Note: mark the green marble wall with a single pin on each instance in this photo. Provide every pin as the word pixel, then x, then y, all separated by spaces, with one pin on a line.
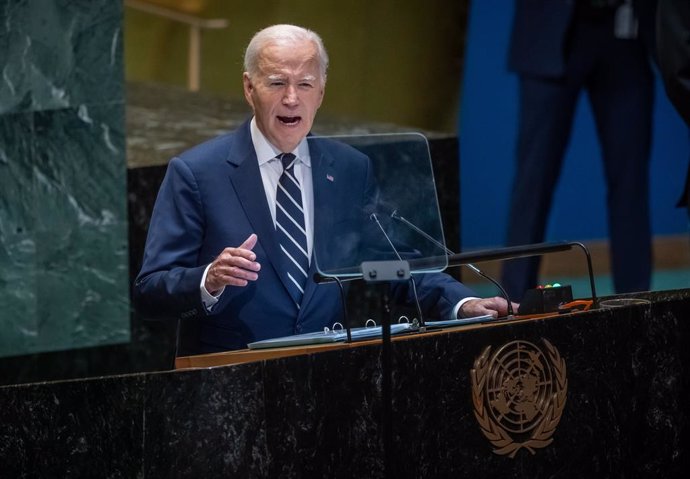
pixel 63 231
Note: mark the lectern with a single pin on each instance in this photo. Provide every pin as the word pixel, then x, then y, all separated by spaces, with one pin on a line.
pixel 601 393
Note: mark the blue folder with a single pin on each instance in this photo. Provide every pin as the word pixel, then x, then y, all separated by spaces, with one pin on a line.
pixel 369 332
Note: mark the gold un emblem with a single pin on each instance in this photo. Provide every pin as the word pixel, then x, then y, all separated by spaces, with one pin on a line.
pixel 519 394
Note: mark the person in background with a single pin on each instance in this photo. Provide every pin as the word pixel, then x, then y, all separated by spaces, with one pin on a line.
pixel 673 53
pixel 237 218
pixel 560 49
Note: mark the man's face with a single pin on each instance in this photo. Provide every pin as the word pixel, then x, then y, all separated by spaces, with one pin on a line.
pixel 285 93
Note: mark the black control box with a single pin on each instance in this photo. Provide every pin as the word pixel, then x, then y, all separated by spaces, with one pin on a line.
pixel 545 300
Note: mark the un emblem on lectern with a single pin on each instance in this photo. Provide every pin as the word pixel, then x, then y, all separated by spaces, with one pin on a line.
pixel 519 394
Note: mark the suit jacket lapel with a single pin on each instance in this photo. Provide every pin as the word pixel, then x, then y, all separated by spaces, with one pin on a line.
pixel 323 178
pixel 246 180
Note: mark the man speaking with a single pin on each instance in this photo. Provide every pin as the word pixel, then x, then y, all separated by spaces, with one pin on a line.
pixel 237 217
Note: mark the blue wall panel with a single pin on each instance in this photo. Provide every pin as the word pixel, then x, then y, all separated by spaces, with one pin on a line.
pixel 487 132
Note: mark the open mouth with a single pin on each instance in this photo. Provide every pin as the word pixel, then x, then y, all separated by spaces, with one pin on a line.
pixel 289 120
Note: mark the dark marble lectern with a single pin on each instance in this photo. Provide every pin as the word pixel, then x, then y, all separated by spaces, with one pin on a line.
pixel 602 393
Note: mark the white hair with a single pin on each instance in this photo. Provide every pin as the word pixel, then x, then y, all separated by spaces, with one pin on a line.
pixel 281 35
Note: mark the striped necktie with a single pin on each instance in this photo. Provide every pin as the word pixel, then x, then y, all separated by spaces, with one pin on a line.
pixel 290 228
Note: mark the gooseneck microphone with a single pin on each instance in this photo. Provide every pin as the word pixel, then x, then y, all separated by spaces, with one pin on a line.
pixel 375 218
pixel 476 270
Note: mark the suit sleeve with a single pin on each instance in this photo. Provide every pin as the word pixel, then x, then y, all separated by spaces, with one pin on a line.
pixel 673 51
pixel 169 281
pixel 438 294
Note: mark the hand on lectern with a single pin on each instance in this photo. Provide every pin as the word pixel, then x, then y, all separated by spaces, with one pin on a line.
pixel 496 307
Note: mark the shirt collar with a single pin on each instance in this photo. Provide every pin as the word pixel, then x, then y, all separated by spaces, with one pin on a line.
pixel 266 152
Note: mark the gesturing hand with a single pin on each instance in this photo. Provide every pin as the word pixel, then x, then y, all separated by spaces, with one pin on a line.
pixel 233 267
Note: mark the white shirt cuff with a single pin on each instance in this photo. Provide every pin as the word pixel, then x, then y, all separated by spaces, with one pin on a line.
pixel 209 300
pixel 456 309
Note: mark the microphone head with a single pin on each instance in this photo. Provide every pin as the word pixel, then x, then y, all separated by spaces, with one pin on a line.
pixel 382 209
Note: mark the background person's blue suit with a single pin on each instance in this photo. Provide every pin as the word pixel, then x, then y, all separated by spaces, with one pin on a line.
pixel 213 197
pixel 559 48
pixel 673 51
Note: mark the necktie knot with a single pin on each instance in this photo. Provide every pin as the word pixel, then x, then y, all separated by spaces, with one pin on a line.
pixel 287 159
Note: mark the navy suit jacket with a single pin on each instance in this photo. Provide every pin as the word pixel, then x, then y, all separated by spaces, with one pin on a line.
pixel 673 32
pixel 537 43
pixel 212 197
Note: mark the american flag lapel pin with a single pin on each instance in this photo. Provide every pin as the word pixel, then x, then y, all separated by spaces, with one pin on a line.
pixel 329 177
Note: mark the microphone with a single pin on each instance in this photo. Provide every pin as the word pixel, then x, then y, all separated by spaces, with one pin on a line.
pixel 374 217
pixel 523 251
pixel 394 214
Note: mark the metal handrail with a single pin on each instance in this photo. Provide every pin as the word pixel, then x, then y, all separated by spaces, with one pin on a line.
pixel 195 25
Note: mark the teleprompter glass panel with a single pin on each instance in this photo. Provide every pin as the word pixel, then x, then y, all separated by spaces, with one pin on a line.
pixel 375 200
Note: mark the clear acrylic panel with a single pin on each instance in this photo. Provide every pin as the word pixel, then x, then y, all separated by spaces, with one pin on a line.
pixel 375 200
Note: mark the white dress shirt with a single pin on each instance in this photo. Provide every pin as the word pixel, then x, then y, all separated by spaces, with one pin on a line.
pixel 271 169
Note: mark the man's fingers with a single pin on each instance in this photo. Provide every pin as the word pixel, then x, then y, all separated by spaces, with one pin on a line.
pixel 243 251
pixel 233 272
pixel 234 266
pixel 234 261
pixel 220 275
pixel 250 242
pixel 495 306
pixel 235 256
